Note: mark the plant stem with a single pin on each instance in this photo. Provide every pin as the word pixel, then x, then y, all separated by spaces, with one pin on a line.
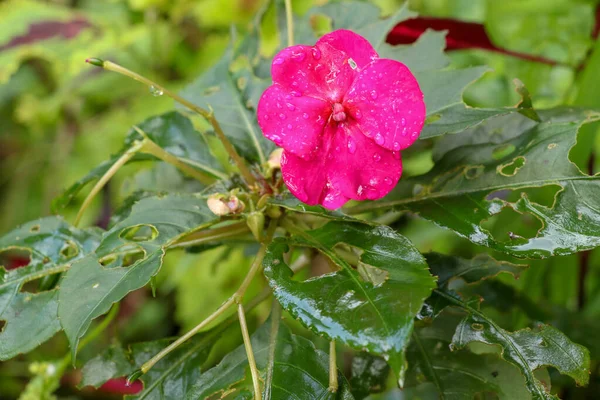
pixel 106 177
pixel 152 148
pixel 275 321
pixel 249 352
pixel 235 298
pixel 208 115
pixel 333 380
pixel 290 22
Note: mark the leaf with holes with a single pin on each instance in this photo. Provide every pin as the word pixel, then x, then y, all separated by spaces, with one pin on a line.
pixel 477 171
pixel 89 288
pixel 51 245
pixel 371 308
pixel 290 368
pixel 461 374
pixel 171 131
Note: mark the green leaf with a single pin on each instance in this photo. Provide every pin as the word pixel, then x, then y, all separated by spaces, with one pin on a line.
pixel 369 375
pixel 31 318
pixel 169 379
pixel 465 187
pixel 371 310
pixel 171 131
pixel 531 27
pixel 527 349
pixel 461 374
pixel 290 367
pixel 480 267
pixel 291 203
pixel 426 54
pixel 89 288
pixel 233 95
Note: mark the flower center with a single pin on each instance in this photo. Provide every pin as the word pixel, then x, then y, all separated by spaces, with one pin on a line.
pixel 338 113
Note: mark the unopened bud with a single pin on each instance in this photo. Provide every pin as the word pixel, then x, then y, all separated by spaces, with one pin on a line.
pixel 274 212
pixel 274 161
pixel 256 223
pixel 95 61
pixel 223 205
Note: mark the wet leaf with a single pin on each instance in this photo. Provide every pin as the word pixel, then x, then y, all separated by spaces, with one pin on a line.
pixel 52 246
pixel 461 374
pixel 290 367
pixel 171 131
pixel 469 184
pixel 369 375
pixel 342 305
pixel 89 289
pixel 291 203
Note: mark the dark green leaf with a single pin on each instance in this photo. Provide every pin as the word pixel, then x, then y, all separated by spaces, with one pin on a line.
pixel 461 374
pixel 369 375
pixel 169 379
pixel 527 349
pixel 291 203
pixel 465 187
pixel 233 95
pixel 52 246
pixel 482 266
pixel 371 310
pixel 171 131
pixel 290 367
pixel 89 289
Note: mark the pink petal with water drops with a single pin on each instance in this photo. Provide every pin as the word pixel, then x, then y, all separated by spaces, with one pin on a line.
pixel 348 166
pixel 292 122
pixel 322 72
pixel 362 170
pixel 355 46
pixel 387 103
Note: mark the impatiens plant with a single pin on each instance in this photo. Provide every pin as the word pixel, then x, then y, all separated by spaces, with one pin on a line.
pixel 282 173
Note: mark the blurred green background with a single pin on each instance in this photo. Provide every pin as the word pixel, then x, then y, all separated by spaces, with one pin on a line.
pixel 60 117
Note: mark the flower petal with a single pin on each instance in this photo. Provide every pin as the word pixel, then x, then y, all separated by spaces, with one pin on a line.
pixel 355 46
pixel 348 166
pixel 387 103
pixel 294 123
pixel 322 72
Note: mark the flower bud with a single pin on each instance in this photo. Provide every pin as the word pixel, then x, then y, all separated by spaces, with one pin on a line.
pixel 256 222
pixel 274 161
pixel 221 205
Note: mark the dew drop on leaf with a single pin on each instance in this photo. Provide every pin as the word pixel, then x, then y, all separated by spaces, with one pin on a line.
pixel 156 92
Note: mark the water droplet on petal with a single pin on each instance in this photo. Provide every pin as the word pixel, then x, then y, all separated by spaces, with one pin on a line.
pixel 373 94
pixel 282 116
pixel 278 61
pixel 388 181
pixel 305 116
pixel 351 145
pixel 289 126
pixel 396 154
pixel 296 93
pixel 403 121
pixel 358 114
pixel 299 57
pixel 379 139
pixel 276 139
pixel 279 105
pixel 316 53
pixel 380 75
pixel 291 107
pixel 396 146
pixel 372 193
pixel 377 157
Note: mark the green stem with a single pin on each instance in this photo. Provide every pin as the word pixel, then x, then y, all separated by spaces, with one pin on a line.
pixel 275 321
pixel 235 298
pixel 333 380
pixel 106 177
pixel 152 148
pixel 208 115
pixel 249 352
pixel 290 22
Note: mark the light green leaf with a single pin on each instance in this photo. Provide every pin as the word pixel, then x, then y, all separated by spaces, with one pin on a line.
pixel 31 318
pixel 371 310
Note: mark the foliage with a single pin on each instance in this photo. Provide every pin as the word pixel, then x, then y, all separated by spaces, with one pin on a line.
pixel 364 300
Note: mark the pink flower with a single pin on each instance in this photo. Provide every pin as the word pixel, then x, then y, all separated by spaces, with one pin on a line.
pixel 342 115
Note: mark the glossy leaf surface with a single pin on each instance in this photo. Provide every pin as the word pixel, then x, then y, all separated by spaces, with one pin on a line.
pixel 474 174
pixel 372 310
